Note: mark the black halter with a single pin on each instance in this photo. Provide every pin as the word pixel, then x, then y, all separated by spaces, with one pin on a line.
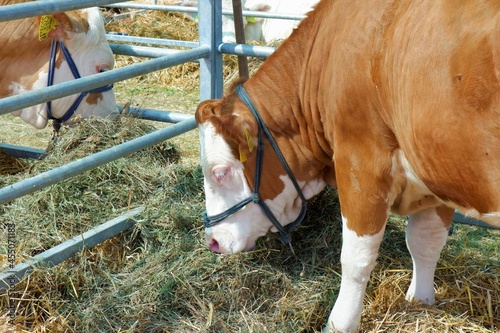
pixel 284 231
pixel 50 81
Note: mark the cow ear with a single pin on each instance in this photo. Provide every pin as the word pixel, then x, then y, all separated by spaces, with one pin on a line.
pixel 53 26
pixel 207 109
pixel 65 24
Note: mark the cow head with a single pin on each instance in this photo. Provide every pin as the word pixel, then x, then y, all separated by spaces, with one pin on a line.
pixel 229 152
pixel 84 36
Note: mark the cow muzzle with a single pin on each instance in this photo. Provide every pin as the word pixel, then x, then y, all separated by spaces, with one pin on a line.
pixel 221 241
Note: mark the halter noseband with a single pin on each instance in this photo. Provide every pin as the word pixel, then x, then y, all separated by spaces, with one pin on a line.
pixel 284 231
pixel 50 81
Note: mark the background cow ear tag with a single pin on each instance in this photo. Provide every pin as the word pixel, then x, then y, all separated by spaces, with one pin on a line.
pixel 47 24
pixel 249 139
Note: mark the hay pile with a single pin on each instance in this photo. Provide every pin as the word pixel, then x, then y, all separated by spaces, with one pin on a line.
pixel 159 276
pixel 57 213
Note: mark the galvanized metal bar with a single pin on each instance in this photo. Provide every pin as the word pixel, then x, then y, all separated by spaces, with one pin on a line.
pixel 459 218
pixel 67 249
pixel 145 40
pixel 35 8
pixel 248 50
pixel 210 34
pixel 42 95
pixel 283 16
pixel 270 15
pixel 74 168
pixel 142 51
pixel 122 16
pixel 165 8
pixel 20 151
pixel 156 115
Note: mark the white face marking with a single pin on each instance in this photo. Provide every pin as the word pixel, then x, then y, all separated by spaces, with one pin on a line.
pixel 90 52
pixel 359 255
pixel 226 185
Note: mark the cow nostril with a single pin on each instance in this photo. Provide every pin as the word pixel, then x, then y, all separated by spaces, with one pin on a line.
pixel 214 245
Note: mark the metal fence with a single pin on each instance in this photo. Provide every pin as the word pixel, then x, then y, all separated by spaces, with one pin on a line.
pixel 161 58
pixel 208 51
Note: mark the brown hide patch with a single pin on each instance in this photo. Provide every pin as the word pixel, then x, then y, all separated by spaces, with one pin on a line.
pixel 446 215
pixel 270 184
pixel 363 162
pixel 93 98
pixel 443 102
pixel 473 72
pixel 22 56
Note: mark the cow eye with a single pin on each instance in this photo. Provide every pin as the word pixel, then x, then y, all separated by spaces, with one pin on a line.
pixel 222 174
pixel 101 69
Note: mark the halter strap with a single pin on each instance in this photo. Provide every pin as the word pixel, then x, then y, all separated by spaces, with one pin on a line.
pixel 284 231
pixel 54 46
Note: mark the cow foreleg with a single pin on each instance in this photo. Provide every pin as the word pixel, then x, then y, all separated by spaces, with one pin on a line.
pixel 426 236
pixel 358 258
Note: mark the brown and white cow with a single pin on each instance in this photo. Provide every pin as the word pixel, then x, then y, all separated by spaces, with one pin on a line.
pixel 397 103
pixel 24 62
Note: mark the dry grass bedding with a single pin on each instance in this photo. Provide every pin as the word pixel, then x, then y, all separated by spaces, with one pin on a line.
pixel 160 277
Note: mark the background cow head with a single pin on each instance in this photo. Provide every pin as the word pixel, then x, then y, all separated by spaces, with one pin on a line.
pixel 84 36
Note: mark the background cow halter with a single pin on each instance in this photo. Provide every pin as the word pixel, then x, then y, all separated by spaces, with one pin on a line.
pixel 284 231
pixel 50 81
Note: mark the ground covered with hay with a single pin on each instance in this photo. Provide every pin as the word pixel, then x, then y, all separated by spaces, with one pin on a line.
pixel 160 277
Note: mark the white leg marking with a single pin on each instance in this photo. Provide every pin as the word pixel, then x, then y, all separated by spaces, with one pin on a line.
pixel 425 237
pixel 359 255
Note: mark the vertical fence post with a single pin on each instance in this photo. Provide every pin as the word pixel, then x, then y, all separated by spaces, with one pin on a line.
pixel 240 37
pixel 210 33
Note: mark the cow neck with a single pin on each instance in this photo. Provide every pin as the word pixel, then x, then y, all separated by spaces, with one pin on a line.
pixel 284 231
pixel 286 105
pixel 54 47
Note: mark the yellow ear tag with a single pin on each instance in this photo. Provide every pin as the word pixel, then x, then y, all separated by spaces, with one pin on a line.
pixel 249 138
pixel 243 156
pixel 251 19
pixel 47 24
